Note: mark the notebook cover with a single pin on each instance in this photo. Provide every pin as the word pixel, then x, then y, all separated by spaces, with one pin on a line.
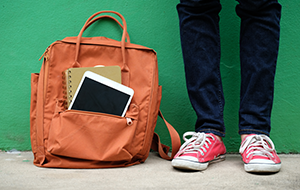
pixel 73 77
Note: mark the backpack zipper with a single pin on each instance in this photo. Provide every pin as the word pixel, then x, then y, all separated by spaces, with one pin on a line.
pixel 46 69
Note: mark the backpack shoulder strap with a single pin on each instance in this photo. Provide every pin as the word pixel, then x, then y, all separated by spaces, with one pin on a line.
pixel 163 149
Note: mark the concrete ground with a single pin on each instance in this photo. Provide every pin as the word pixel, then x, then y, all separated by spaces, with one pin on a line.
pixel 18 172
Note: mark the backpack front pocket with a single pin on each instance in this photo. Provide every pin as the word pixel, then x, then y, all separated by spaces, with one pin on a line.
pixel 91 136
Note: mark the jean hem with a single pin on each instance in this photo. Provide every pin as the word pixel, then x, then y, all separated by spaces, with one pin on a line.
pixel 213 131
pixel 253 131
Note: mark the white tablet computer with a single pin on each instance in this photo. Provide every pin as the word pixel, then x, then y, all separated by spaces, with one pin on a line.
pixel 96 93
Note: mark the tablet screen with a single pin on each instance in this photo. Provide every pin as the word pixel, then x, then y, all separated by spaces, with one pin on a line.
pixel 94 96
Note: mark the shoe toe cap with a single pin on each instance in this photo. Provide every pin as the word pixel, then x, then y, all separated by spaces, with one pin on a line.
pixel 261 161
pixel 187 158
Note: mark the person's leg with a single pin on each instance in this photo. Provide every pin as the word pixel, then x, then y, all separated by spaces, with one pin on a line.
pixel 200 40
pixel 259 42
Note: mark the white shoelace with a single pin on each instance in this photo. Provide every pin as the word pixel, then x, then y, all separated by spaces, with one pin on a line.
pixel 259 145
pixel 198 142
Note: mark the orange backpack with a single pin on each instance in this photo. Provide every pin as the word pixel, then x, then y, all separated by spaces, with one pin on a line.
pixel 64 138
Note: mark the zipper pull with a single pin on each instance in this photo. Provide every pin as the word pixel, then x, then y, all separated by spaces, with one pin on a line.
pixel 129 121
pixel 44 54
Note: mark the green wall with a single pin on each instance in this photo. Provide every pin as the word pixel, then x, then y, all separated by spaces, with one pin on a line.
pixel 28 27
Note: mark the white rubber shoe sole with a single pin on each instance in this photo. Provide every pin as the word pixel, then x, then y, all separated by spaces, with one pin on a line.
pixel 262 166
pixel 192 163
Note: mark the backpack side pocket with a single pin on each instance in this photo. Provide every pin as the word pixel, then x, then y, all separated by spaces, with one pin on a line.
pixel 33 100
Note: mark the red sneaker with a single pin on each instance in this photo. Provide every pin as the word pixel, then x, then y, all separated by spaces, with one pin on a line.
pixel 259 155
pixel 198 151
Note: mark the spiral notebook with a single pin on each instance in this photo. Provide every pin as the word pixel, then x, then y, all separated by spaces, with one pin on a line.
pixel 96 93
pixel 73 76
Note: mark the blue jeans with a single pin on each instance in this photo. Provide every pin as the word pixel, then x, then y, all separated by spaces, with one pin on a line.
pixel 259 41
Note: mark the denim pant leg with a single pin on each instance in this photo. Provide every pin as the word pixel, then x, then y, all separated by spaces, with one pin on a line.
pixel 200 41
pixel 259 41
